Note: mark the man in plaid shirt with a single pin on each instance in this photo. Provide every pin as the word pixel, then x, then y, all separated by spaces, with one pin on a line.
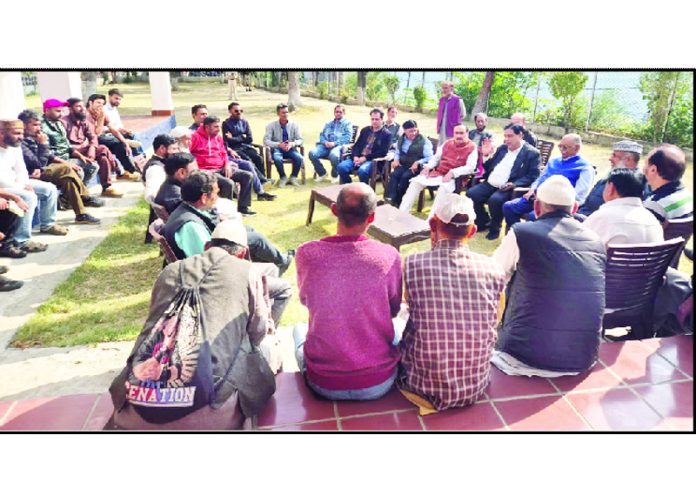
pixel 453 296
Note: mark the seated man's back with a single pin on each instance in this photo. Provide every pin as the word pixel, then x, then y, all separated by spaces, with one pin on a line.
pixel 453 296
pixel 351 286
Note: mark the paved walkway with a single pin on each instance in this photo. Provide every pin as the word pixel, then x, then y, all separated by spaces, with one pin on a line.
pixel 53 371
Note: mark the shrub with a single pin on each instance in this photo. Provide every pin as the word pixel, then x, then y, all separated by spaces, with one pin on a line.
pixel 420 95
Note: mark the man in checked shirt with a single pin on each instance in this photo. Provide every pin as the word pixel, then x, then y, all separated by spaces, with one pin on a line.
pixel 453 296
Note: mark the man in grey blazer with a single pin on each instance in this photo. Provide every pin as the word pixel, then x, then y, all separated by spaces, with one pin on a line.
pixel 282 137
pixel 514 164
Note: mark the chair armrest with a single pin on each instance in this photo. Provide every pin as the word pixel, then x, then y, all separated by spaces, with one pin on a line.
pixel 519 191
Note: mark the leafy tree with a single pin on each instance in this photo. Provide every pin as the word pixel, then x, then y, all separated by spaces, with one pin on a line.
pixel 662 90
pixel 391 82
pixel 566 86
pixel 468 86
pixel 420 95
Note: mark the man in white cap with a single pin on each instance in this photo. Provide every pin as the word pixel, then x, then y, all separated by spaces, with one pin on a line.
pixel 555 301
pixel 453 296
pixel 625 154
pixel 233 301
pixel 182 135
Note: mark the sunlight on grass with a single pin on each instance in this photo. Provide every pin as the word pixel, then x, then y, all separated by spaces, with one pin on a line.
pixel 107 297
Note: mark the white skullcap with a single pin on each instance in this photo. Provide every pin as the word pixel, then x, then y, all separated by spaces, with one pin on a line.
pixel 231 230
pixel 627 146
pixel 556 190
pixel 180 131
pixel 453 204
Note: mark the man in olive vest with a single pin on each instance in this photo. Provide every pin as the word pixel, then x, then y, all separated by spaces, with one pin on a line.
pixel 412 151
pixel 553 317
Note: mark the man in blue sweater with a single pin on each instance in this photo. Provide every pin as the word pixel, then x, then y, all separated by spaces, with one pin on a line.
pixel 333 137
pixel 570 164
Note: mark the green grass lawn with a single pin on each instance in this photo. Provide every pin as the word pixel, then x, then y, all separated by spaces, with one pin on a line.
pixel 106 298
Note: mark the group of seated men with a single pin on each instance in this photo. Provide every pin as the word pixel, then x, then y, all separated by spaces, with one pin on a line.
pixel 353 288
pixel 47 162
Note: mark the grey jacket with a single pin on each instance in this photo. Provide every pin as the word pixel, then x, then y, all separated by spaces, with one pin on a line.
pixel 274 134
pixel 234 322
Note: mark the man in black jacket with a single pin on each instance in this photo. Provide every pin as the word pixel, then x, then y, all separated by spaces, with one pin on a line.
pixel 43 164
pixel 238 137
pixel 374 142
pixel 515 164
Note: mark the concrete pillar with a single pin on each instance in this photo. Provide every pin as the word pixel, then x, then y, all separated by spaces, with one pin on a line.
pixel 161 94
pixel 59 84
pixel 11 94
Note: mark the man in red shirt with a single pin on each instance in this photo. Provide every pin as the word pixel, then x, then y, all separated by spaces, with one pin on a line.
pixel 208 147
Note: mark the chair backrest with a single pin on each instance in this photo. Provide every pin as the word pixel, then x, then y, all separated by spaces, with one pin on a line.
pixel 683 228
pixel 635 271
pixel 160 211
pixel 545 148
pixel 155 229
pixel 435 142
pixel 355 134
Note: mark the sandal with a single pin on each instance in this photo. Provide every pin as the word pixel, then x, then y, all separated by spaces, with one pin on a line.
pixel 55 230
pixel 33 247
pixel 12 252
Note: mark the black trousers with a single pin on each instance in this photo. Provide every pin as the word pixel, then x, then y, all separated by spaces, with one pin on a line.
pixel 119 151
pixel 398 183
pixel 485 193
pixel 248 152
pixel 245 180
pixel 8 224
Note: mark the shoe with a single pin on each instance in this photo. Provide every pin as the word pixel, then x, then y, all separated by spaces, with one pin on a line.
pixel 689 253
pixel 126 176
pixel 481 228
pixel 111 192
pixel 319 179
pixel 247 212
pixel 289 256
pixel 33 247
pixel 294 182
pixel 265 196
pixel 493 235
pixel 9 284
pixel 335 180
pixel 3 269
pixel 92 202
pixel 87 219
pixel 282 182
pixel 55 230
pixel 12 251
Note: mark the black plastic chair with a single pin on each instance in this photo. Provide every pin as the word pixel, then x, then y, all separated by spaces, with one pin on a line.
pixel 683 228
pixel 634 273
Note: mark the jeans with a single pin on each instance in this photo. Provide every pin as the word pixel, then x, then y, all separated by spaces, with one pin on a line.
pixel 292 154
pixel 299 333
pixel 321 152
pixel 486 193
pixel 514 209
pixel 48 195
pixel 346 167
pixel 247 166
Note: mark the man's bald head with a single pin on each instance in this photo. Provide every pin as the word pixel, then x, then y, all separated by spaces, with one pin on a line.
pixel 519 118
pixel 570 145
pixel 355 203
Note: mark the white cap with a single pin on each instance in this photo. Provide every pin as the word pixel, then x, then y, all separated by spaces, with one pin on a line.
pixel 452 205
pixel 627 146
pixel 556 190
pixel 180 131
pixel 231 230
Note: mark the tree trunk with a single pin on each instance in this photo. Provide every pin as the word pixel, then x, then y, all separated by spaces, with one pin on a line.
pixel 315 78
pixel 670 105
pixel 408 81
pixel 339 82
pixel 89 83
pixel 362 85
pixel 482 98
pixel 293 91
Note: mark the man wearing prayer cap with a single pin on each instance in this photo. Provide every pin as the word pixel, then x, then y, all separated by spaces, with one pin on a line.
pixel 553 317
pixel 447 343
pixel 624 153
pixel 14 178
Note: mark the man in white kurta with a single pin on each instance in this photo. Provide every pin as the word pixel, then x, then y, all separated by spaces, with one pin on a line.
pixel 456 157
